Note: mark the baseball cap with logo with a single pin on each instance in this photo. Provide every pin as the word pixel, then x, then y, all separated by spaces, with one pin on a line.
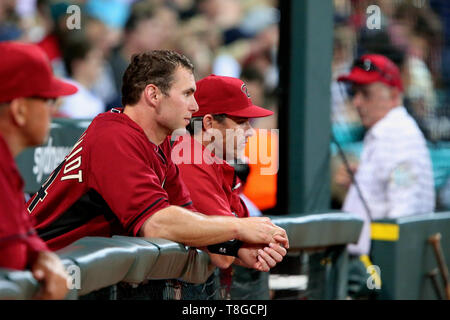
pixel 226 95
pixel 25 72
pixel 372 68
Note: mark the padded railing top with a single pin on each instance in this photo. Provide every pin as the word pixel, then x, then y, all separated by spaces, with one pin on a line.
pixel 320 230
pixel 103 262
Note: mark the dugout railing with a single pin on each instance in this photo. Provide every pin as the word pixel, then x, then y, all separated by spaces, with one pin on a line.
pixel 140 268
pixel 137 268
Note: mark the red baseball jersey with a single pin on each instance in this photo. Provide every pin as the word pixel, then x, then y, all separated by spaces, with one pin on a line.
pixel 212 184
pixel 111 182
pixel 19 243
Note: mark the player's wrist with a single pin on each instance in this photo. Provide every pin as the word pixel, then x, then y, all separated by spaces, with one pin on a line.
pixel 228 248
pixel 238 229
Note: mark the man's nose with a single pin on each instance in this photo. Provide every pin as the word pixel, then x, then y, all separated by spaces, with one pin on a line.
pixel 249 131
pixel 356 99
pixel 53 107
pixel 194 106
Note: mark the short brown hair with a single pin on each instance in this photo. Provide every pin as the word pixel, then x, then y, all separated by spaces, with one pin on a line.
pixel 154 67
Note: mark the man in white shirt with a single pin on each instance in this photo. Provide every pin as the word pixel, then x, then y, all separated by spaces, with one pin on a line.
pixel 394 176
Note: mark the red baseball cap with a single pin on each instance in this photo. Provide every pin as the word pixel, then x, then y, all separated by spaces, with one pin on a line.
pixel 25 72
pixel 372 68
pixel 226 95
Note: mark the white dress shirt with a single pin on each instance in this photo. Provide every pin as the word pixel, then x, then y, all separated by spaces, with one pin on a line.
pixel 394 175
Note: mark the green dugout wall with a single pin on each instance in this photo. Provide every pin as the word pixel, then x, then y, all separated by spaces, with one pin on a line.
pixel 36 164
pixel 306 36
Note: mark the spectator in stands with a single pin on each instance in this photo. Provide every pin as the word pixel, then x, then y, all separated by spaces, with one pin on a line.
pixel 84 64
pixel 9 22
pixel 394 177
pixel 421 32
pixel 346 124
pixel 43 32
pixel 120 179
pixel 442 9
pixel 139 35
pixel 166 19
pixel 48 31
pixel 198 39
pixel 411 37
pixel 211 33
pixel 104 38
pixel 342 114
pixel 27 90
pixel 254 80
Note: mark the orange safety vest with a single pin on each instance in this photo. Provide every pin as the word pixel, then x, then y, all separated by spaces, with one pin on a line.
pixel 262 153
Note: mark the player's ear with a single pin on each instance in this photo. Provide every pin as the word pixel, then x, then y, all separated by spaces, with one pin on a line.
pixel 207 122
pixel 151 94
pixel 19 111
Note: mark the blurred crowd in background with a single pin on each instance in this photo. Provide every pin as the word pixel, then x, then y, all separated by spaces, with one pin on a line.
pixel 240 38
pixel 237 38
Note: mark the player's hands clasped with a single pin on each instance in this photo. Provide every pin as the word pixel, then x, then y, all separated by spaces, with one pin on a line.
pixel 261 230
pixel 261 257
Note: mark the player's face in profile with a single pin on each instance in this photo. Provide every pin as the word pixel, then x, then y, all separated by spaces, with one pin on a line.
pixel 176 109
pixel 39 111
pixel 372 102
pixel 235 132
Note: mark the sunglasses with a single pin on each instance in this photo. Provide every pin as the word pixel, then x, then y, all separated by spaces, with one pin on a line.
pixel 352 89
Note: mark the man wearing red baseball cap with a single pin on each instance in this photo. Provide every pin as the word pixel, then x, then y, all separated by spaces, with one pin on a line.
pixel 227 101
pixel 27 90
pixel 394 177
pixel 218 131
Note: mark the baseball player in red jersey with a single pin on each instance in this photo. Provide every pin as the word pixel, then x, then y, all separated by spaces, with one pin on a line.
pixel 26 93
pixel 218 133
pixel 223 128
pixel 119 177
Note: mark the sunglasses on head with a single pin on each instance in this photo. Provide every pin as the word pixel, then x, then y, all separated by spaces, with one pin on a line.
pixel 368 66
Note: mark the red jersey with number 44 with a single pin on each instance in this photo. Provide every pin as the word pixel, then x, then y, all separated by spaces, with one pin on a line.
pixel 111 182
